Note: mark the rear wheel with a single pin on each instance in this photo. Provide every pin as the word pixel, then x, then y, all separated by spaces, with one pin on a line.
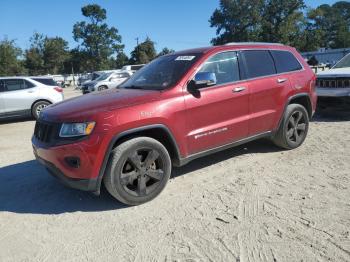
pixel 138 170
pixel 38 107
pixel 100 88
pixel 294 127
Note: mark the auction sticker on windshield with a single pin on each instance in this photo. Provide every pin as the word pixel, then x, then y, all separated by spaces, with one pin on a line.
pixel 185 58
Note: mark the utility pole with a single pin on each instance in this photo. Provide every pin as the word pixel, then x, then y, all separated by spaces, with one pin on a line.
pixel 137 47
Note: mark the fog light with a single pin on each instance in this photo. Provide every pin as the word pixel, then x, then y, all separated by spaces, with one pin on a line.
pixel 73 161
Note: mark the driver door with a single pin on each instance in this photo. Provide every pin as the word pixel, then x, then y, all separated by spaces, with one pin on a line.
pixel 218 114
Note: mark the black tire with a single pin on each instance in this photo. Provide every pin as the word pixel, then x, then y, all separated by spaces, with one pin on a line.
pixel 38 107
pixel 293 128
pixel 100 88
pixel 132 175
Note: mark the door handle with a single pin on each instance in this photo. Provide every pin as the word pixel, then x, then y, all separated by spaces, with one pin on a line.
pixel 238 89
pixel 30 91
pixel 281 80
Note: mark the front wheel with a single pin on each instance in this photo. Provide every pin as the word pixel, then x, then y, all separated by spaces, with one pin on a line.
pixel 294 127
pixel 138 170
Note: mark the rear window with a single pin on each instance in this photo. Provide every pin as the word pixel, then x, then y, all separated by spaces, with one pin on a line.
pixel 46 81
pixel 258 63
pixel 285 61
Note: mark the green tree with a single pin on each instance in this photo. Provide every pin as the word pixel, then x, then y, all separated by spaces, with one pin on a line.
pixel 237 20
pixel 34 56
pixel 121 60
pixel 258 20
pixel 98 41
pixel 55 53
pixel 166 51
pixel 143 53
pixel 334 24
pixel 10 64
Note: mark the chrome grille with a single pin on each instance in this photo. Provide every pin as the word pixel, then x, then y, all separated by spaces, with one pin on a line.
pixel 333 83
pixel 44 132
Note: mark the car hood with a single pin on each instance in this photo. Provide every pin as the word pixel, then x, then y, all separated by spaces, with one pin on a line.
pixel 335 72
pixel 83 107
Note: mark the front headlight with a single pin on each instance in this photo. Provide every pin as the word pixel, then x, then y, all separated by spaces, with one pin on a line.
pixel 76 129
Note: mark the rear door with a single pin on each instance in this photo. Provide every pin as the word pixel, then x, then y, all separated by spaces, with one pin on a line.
pixel 19 95
pixel 218 114
pixel 266 90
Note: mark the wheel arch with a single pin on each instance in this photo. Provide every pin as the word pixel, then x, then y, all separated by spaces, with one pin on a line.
pixel 39 100
pixel 301 99
pixel 158 132
pixel 304 100
pixel 36 101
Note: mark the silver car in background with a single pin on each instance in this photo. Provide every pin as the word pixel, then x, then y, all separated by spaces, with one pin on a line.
pixel 27 96
pixel 106 81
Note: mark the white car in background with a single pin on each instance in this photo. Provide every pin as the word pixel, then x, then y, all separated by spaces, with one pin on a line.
pixel 27 96
pixel 335 82
pixel 132 68
pixel 106 81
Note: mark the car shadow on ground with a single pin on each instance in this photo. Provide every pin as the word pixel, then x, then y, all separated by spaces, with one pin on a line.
pixel 4 121
pixel 258 146
pixel 28 188
pixel 332 113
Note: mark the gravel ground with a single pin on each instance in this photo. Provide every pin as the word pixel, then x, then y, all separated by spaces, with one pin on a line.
pixel 251 203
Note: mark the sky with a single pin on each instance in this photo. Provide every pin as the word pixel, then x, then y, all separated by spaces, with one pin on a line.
pixel 176 24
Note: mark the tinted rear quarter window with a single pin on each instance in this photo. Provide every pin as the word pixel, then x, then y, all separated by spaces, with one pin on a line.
pixel 285 61
pixel 46 81
pixel 258 63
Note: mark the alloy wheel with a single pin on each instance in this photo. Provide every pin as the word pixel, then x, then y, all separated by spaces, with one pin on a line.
pixel 296 127
pixel 142 172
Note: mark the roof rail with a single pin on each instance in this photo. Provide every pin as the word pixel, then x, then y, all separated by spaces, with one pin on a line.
pixel 253 43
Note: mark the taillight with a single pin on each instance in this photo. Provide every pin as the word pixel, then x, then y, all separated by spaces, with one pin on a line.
pixel 58 89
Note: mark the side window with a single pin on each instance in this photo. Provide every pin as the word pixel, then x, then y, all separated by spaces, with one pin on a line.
pixel 258 63
pixel 28 84
pixel 224 66
pixel 285 61
pixel 2 86
pixel 14 84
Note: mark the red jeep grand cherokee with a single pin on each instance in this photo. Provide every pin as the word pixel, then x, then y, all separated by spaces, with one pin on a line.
pixel 177 108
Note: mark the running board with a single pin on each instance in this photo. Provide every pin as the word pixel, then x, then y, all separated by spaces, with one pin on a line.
pixel 184 161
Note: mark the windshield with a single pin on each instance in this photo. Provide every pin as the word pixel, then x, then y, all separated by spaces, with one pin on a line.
pixel 103 76
pixel 162 72
pixel 344 62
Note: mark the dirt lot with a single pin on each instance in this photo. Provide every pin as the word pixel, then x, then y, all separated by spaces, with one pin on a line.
pixel 251 203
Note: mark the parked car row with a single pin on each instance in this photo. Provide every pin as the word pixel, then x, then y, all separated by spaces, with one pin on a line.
pixel 106 81
pixel 101 80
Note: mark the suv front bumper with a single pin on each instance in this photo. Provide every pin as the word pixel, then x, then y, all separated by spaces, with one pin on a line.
pixel 333 92
pixel 81 184
pixel 84 175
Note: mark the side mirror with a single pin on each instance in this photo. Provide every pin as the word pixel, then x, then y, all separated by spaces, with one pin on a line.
pixel 204 79
pixel 112 79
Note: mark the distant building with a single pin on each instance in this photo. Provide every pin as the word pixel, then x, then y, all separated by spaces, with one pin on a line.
pixel 327 56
